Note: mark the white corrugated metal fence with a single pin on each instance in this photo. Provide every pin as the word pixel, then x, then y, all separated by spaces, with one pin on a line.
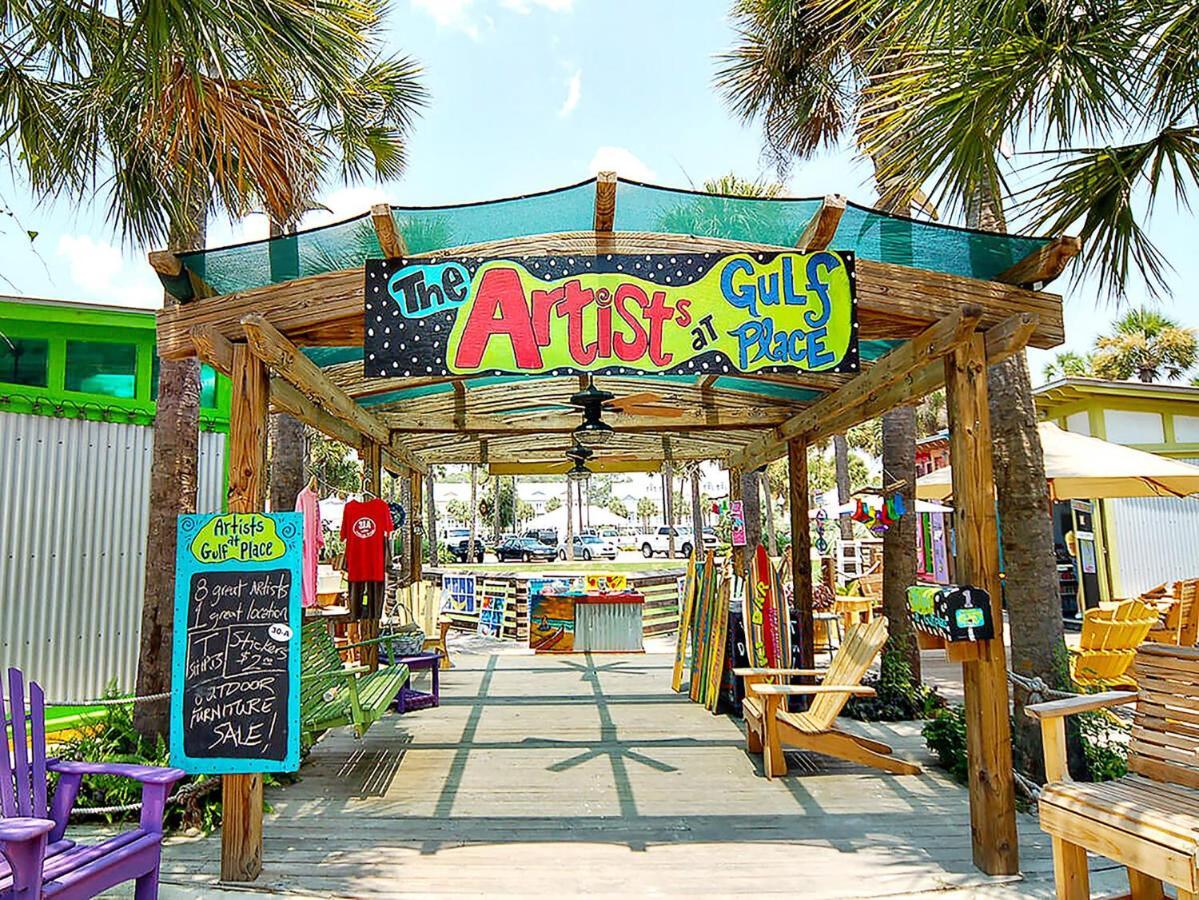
pixel 1156 540
pixel 73 507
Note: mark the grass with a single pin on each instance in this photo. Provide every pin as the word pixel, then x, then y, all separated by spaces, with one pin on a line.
pixel 579 566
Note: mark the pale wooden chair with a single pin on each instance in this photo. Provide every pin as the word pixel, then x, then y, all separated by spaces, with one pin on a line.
pixel 423 607
pixel 769 725
pixel 1149 819
pixel 1181 625
pixel 1108 643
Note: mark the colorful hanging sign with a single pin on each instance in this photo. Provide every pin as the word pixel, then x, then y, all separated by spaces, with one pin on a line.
pixel 738 523
pixel 952 612
pixel 235 689
pixel 681 313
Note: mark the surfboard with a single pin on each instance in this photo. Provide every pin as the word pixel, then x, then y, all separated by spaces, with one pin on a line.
pixel 786 615
pixel 755 617
pixel 680 650
pixel 771 635
pixel 703 624
pixel 719 638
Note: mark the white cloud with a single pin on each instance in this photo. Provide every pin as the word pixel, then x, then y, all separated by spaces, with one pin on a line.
pixel 524 7
pixel 574 92
pixel 623 162
pixel 453 15
pixel 102 274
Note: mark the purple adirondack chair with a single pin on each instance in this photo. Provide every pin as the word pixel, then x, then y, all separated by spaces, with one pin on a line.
pixel 36 860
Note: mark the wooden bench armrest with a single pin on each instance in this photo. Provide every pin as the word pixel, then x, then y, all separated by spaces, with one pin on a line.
pixel 1070 706
pixel 749 673
pixel 794 689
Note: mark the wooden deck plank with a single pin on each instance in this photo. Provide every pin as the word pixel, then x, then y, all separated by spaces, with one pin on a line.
pixel 557 776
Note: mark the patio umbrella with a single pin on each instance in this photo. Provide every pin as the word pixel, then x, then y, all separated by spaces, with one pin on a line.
pixel 1084 468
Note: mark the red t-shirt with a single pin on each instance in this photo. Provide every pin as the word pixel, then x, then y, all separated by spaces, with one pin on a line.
pixel 364 526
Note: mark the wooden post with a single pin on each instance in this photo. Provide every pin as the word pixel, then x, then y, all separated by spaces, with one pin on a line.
pixel 751 500
pixel 568 539
pixel 988 724
pixel 431 523
pixel 241 795
pixel 668 497
pixel 414 518
pixel 372 481
pixel 735 495
pixel 697 513
pixel 801 553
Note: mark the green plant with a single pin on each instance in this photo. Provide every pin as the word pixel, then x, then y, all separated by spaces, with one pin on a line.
pixel 945 735
pixel 196 800
pixel 897 697
pixel 1104 745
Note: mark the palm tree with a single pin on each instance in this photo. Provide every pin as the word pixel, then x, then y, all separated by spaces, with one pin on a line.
pixel 178 111
pixel 804 76
pixel 1069 364
pixel 1146 345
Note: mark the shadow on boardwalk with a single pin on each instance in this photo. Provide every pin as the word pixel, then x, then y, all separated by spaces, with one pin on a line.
pixel 566 775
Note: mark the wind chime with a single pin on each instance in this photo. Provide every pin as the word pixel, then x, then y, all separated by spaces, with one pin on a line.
pixel 879 519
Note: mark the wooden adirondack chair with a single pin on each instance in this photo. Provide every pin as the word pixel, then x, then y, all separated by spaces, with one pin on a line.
pixel 1181 626
pixel 1108 643
pixel 36 859
pixel 769 725
pixel 1147 820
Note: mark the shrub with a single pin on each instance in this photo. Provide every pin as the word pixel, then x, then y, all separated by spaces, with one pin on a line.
pixel 1104 745
pixel 898 698
pixel 945 735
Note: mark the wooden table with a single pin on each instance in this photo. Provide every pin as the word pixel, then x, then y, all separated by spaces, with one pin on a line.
pixel 409 698
pixel 853 609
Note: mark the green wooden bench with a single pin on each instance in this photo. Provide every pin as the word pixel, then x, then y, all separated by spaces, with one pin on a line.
pixel 334 694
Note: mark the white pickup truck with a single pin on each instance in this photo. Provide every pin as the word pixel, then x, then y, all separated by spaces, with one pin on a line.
pixel 657 541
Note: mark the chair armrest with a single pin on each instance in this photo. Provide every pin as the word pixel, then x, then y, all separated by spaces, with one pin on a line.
pixel 1070 706
pixel 144 774
pixel 794 689
pixel 744 673
pixel 20 830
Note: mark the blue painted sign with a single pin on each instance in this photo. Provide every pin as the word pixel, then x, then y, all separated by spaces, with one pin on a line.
pixel 235 686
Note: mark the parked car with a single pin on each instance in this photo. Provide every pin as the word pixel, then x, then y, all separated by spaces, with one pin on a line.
pixel 457 540
pixel 526 549
pixel 657 541
pixel 547 536
pixel 589 546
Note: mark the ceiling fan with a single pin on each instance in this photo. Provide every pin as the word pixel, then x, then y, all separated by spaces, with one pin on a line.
pixel 578 454
pixel 593 401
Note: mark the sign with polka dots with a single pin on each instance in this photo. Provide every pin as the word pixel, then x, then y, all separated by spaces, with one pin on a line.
pixel 614 314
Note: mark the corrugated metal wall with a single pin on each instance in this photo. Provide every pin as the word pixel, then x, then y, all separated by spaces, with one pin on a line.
pixel 73 498
pixel 1156 540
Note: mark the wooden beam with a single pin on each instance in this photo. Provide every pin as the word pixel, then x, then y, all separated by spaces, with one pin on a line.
pixel 391 242
pixel 213 348
pixel 899 364
pixel 241 795
pixel 801 552
pixel 988 723
pixel 556 467
pixel 1009 337
pixel 605 201
pixel 306 376
pixel 402 422
pixel 819 231
pixel 893 301
pixel 1043 264
pixel 165 262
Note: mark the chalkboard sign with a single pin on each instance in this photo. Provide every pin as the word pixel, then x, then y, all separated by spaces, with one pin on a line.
pixel 235 689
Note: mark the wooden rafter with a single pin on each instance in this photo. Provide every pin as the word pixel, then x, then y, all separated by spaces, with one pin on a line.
pixel 893 368
pixel 165 262
pixel 893 301
pixel 1044 264
pixel 605 201
pixel 819 231
pixel 564 423
pixel 284 358
pixel 391 242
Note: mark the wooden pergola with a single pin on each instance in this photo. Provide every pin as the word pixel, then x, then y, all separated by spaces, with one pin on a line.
pixel 283 344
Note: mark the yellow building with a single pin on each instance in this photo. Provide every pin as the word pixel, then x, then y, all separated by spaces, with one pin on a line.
pixel 1138 542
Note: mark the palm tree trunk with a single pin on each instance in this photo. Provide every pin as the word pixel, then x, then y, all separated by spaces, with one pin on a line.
pixel 697 514
pixel 899 541
pixel 474 510
pixel 1034 610
pixel 569 537
pixel 431 527
pixel 172 493
pixel 841 461
pixel 288 463
pixel 495 512
pixel 772 543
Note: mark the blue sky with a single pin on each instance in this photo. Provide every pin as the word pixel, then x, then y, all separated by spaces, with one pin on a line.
pixel 530 94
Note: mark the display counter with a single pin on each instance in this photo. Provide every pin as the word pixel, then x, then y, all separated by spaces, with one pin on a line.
pixel 604 623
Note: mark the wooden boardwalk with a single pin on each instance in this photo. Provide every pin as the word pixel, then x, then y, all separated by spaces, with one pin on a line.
pixel 570 775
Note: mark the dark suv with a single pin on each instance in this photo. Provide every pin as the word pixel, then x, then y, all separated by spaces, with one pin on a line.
pixel 456 541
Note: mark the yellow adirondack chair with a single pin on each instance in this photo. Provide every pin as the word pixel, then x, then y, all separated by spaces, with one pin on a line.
pixel 1108 643
pixel 1181 627
pixel 769 725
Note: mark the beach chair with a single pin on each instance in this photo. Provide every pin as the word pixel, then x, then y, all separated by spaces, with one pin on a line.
pixel 1181 621
pixel 1108 643
pixel 769 726
pixel 36 857
pixel 1148 820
